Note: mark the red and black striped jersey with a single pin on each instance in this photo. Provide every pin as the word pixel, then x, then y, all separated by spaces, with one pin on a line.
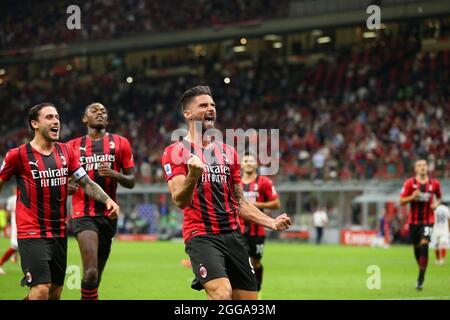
pixel 213 209
pixel 41 188
pixel 111 149
pixel 259 190
pixel 421 211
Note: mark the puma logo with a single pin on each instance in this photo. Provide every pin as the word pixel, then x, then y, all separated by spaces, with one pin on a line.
pixel 81 148
pixel 33 163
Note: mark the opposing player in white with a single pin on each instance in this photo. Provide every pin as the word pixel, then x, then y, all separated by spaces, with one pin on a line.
pixel 12 251
pixel 440 237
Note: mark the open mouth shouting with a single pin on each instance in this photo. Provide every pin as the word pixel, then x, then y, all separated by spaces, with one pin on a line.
pixel 54 132
pixel 209 120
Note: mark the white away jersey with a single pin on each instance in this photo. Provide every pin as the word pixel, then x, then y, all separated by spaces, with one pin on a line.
pixel 442 215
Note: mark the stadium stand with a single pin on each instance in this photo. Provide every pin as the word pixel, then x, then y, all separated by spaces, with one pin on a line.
pixel 353 114
pixel 24 26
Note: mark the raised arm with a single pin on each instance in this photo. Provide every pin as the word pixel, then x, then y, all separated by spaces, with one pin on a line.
pixel 182 187
pixel 252 214
pixel 94 191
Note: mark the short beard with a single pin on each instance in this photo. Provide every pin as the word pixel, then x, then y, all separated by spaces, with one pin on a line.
pixel 48 138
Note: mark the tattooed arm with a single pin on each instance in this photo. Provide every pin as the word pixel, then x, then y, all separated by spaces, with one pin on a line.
pixel 252 214
pixel 94 191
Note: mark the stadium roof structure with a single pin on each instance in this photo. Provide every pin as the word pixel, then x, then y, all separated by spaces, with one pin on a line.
pixel 303 16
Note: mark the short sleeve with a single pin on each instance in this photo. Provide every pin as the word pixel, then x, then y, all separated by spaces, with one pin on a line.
pixel 126 154
pixel 9 165
pixel 269 190
pixel 70 144
pixel 406 190
pixel 173 162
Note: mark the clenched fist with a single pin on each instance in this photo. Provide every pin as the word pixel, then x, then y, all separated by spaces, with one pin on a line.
pixel 280 223
pixel 195 166
pixel 113 208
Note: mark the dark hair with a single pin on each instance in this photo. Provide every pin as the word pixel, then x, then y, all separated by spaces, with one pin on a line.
pixel 187 97
pixel 33 113
pixel 249 154
pixel 93 104
pixel 420 159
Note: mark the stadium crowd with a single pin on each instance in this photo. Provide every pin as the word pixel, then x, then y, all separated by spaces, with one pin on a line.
pixel 24 26
pixel 359 114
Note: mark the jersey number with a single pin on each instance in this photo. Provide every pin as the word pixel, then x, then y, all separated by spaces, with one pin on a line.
pixel 259 248
pixel 427 231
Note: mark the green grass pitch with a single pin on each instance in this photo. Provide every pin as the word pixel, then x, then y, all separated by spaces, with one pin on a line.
pixel 152 271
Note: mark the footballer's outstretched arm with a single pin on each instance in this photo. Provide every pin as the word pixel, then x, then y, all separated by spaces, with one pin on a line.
pixel 94 191
pixel 251 213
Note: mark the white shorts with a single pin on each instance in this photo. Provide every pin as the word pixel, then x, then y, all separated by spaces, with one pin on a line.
pixel 13 238
pixel 440 239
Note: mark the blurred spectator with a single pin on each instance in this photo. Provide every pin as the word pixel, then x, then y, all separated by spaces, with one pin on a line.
pixel 330 128
pixel 23 25
pixel 320 220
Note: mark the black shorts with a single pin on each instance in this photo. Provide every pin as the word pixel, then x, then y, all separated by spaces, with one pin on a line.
pixel 255 246
pixel 221 256
pixel 43 261
pixel 105 228
pixel 417 232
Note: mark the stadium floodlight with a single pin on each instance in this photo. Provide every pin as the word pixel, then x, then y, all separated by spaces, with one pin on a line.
pixel 323 40
pixel 227 80
pixel 243 41
pixel 130 80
